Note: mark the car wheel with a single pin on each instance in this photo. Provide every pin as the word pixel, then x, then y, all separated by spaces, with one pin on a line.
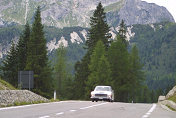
pixel 110 100
pixel 92 100
pixel 96 100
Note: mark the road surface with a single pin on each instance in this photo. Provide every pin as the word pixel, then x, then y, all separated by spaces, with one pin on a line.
pixel 87 109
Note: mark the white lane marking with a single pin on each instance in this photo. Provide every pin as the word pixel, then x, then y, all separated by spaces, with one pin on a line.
pixel 72 110
pixel 23 106
pixel 150 111
pixel 93 106
pixel 145 116
pixel 44 117
pixel 60 113
pixel 15 107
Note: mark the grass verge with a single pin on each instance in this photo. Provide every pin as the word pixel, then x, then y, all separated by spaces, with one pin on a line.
pixel 173 98
pixel 27 103
pixel 23 103
pixel 170 108
pixel 6 85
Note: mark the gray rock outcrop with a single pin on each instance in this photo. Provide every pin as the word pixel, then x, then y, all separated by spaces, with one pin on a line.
pixel 163 100
pixel 69 13
pixel 169 103
pixel 171 93
pixel 9 97
pixel 140 12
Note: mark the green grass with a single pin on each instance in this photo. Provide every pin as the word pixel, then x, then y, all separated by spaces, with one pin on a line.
pixel 26 103
pixel 173 98
pixel 170 108
pixel 52 100
pixel 6 84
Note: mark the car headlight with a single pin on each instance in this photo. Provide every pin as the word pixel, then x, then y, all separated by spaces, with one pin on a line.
pixel 110 95
pixel 92 94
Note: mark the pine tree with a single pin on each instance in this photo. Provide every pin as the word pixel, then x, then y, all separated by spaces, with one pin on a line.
pixel 60 70
pixel 99 28
pixel 118 57
pixel 104 71
pixel 136 74
pixel 81 75
pixel 10 66
pixel 100 73
pixel 22 48
pixel 146 95
pixel 37 59
pixel 122 33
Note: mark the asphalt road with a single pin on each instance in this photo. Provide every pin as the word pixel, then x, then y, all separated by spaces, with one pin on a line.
pixel 87 109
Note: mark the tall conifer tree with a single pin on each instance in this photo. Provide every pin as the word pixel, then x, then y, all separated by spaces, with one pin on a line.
pixel 122 33
pixel 10 66
pixel 100 73
pixel 118 57
pixel 22 48
pixel 136 74
pixel 37 59
pixel 60 70
pixel 99 30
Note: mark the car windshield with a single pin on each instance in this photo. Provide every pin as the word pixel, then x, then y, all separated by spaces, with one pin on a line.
pixel 101 88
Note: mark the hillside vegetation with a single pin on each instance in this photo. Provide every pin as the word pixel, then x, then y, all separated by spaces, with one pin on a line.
pixel 5 85
pixel 173 98
pixel 157 45
pixel 156 49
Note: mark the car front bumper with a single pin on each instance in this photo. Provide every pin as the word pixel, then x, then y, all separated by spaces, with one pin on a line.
pixel 100 98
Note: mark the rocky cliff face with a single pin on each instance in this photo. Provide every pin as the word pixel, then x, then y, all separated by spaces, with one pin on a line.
pixel 140 12
pixel 68 13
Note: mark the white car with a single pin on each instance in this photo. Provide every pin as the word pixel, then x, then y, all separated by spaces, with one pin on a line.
pixel 102 93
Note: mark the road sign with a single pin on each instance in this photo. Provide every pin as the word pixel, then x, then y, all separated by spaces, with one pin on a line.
pixel 26 79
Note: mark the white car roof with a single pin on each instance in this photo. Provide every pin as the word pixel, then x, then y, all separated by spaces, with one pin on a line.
pixel 103 86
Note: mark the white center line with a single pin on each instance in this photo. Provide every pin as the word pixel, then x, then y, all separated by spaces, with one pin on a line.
pixel 72 110
pixel 60 113
pixel 149 112
pixel 152 109
pixel 44 117
pixel 145 116
pixel 93 106
pixel 24 106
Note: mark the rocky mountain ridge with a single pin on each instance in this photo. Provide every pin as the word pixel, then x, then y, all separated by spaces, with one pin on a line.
pixel 77 35
pixel 69 13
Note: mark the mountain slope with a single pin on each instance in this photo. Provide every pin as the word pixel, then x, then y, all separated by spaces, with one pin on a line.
pixel 156 44
pixel 140 12
pixel 69 13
